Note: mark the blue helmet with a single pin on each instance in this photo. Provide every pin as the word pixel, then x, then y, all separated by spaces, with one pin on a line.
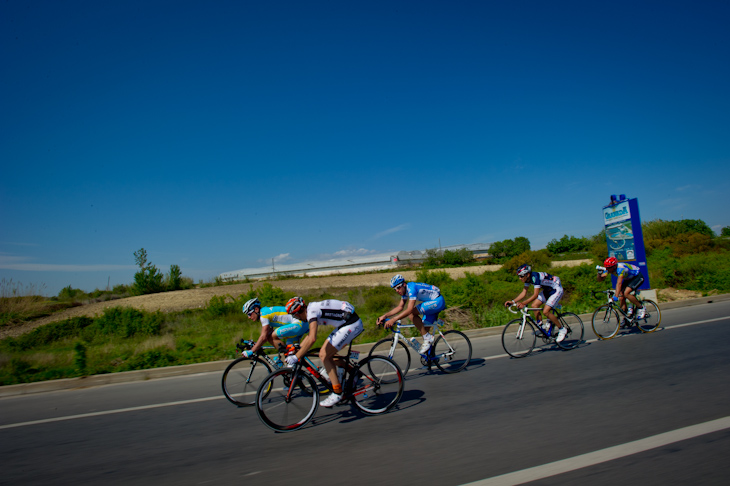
pixel 397 280
pixel 251 305
pixel 524 270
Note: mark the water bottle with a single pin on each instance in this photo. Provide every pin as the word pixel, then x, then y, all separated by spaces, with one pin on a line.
pixel 414 343
pixel 278 362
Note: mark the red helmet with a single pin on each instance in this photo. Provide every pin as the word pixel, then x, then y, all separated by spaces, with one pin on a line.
pixel 610 262
pixel 294 305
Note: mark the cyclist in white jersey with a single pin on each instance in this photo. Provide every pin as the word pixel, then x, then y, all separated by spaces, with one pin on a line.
pixel 628 280
pixel 277 327
pixel 336 313
pixel 547 290
pixel 423 315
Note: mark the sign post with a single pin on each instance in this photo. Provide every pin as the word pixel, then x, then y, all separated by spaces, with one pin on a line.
pixel 624 238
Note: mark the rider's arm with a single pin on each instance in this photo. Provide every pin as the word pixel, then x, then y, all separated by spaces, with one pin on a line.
pixel 265 333
pixel 516 299
pixel 532 297
pixel 404 313
pixel 306 344
pixel 394 311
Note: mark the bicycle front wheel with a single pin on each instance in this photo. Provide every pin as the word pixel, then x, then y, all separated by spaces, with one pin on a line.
pixel 285 405
pixel 242 378
pixel 400 355
pixel 575 330
pixel 606 322
pixel 376 385
pixel 652 317
pixel 452 351
pixel 517 340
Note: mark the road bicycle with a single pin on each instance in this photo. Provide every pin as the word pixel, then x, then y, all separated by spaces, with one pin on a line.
pixel 607 321
pixel 450 352
pixel 520 335
pixel 288 398
pixel 243 376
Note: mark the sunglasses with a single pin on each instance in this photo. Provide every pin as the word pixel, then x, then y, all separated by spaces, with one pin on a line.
pixel 397 287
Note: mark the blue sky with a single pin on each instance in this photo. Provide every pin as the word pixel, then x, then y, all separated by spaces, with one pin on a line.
pixel 220 135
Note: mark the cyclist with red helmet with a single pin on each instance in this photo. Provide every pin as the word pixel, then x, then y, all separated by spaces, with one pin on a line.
pixel 336 313
pixel 547 290
pixel 628 280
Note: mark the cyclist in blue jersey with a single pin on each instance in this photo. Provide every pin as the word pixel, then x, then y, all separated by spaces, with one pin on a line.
pixel 547 290
pixel 277 326
pixel 628 280
pixel 423 315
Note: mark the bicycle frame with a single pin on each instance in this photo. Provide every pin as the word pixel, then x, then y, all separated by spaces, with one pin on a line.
pixel 525 311
pixel 306 365
pixel 430 356
pixel 615 305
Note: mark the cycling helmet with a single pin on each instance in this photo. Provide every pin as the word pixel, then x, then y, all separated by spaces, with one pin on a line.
pixel 294 305
pixel 397 280
pixel 251 305
pixel 610 262
pixel 524 270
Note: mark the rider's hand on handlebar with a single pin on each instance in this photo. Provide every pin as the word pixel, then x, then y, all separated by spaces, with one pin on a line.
pixel 247 354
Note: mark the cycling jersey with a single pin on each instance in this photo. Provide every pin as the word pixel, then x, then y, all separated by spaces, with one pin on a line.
pixel 276 317
pixel 548 283
pixel 332 312
pixel 550 286
pixel 432 302
pixel 627 270
pixel 421 291
pixel 339 314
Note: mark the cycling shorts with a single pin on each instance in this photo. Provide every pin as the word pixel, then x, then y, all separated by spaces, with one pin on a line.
pixel 552 299
pixel 291 333
pixel 343 335
pixel 429 310
pixel 633 282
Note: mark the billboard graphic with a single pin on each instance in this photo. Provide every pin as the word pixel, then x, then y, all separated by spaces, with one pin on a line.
pixel 624 238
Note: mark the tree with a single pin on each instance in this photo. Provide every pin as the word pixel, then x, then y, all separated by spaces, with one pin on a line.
pixel 567 244
pixel 725 231
pixel 509 248
pixel 174 279
pixel 149 279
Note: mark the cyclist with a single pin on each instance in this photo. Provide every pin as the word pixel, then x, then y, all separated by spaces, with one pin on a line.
pixel 336 313
pixel 423 315
pixel 547 290
pixel 628 280
pixel 277 326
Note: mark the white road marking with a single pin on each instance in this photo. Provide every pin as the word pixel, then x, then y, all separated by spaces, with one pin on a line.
pixel 604 455
pixel 206 399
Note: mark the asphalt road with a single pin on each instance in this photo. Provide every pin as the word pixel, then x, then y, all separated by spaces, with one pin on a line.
pixel 639 409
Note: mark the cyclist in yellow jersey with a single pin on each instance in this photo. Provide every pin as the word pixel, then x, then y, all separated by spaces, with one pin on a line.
pixel 628 280
pixel 277 326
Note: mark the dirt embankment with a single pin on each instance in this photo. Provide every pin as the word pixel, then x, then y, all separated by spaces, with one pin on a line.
pixel 196 298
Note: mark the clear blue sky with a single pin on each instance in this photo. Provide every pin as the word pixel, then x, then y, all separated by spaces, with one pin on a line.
pixel 220 135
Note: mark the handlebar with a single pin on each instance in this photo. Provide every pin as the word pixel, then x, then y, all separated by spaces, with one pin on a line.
pixel 523 310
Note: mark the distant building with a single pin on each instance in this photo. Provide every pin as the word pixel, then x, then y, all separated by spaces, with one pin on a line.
pixel 369 263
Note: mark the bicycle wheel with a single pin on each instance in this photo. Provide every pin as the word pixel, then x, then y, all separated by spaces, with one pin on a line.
pixel 518 341
pixel 606 322
pixel 452 351
pixel 242 378
pixel 375 385
pixel 401 355
pixel 575 330
pixel 283 407
pixel 652 318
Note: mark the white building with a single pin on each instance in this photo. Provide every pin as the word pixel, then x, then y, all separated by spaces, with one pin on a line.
pixel 381 261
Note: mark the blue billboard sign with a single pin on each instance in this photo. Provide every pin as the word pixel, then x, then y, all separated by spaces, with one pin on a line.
pixel 624 238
